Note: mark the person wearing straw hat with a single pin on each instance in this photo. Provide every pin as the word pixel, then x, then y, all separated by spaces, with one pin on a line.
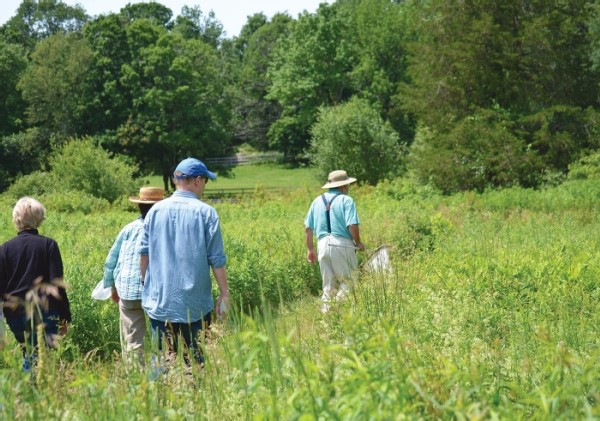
pixel 333 218
pixel 122 274
pixel 182 242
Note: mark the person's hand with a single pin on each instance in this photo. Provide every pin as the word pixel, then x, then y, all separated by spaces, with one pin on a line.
pixel 311 257
pixel 222 305
pixel 114 295
pixel 360 247
pixel 63 328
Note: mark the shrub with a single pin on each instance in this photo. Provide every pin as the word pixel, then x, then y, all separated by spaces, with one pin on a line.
pixel 354 137
pixel 74 201
pixel 83 166
pixel 480 152
pixel 35 184
pixel 588 167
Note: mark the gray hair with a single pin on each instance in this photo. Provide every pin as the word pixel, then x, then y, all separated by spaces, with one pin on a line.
pixel 28 213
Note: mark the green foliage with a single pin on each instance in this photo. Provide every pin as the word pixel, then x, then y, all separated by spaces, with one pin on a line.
pixel 309 70
pixel 491 311
pixel 34 184
pixel 13 62
pixel 354 137
pixel 20 154
pixel 587 167
pixel 82 166
pixel 481 151
pixel 561 134
pixel 253 113
pixel 53 85
pixel 35 21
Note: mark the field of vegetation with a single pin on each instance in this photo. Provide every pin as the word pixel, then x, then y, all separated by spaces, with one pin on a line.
pixel 491 312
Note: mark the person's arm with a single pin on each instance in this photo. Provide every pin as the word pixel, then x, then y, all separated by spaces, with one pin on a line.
pixel 355 233
pixel 310 255
pixel 223 300
pixel 143 266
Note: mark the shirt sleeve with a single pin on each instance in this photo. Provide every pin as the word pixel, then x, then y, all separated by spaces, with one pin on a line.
pixel 350 212
pixel 309 220
pixel 144 239
pixel 214 242
pixel 111 261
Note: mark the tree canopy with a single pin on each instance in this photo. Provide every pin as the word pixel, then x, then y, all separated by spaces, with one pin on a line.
pixel 475 94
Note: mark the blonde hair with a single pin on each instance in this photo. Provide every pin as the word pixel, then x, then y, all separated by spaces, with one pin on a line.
pixel 28 213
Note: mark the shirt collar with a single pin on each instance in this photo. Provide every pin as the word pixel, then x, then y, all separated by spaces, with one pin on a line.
pixel 185 193
pixel 27 231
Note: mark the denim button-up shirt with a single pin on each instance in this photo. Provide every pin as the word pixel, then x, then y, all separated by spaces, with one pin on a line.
pixel 182 238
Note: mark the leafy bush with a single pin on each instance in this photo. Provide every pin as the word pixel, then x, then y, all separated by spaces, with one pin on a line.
pixel 74 201
pixel 587 167
pixel 354 137
pixel 83 166
pixel 35 184
pixel 561 134
pixel 480 152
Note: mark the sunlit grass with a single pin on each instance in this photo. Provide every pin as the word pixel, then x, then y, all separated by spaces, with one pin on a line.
pixel 268 176
pixel 491 312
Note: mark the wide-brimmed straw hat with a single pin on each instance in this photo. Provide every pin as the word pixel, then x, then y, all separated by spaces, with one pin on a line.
pixel 149 195
pixel 338 178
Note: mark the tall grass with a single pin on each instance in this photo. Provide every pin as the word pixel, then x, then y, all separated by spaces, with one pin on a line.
pixel 491 312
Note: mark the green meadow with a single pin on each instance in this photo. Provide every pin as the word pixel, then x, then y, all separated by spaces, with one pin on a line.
pixel 268 175
pixel 491 311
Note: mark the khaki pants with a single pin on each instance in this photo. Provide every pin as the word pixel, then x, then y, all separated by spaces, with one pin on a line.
pixel 338 264
pixel 133 326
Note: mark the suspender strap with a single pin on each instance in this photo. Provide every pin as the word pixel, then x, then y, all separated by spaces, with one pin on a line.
pixel 327 208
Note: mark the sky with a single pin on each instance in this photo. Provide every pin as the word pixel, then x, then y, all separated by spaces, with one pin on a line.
pixel 231 13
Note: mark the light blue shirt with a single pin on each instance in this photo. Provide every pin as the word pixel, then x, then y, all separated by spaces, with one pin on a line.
pixel 342 214
pixel 182 239
pixel 122 266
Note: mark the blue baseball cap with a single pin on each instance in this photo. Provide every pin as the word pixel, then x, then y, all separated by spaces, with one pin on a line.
pixel 192 167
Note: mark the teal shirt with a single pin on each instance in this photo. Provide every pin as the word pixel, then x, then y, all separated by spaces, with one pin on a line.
pixel 342 214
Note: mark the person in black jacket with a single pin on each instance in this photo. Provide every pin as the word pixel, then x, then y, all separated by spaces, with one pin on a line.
pixel 31 282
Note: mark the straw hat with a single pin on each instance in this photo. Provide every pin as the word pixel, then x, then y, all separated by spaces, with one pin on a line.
pixel 338 178
pixel 149 195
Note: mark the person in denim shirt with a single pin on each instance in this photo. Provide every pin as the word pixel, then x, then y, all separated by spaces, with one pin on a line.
pixel 122 274
pixel 182 241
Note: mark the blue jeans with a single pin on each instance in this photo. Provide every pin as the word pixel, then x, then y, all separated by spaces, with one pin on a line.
pixel 190 332
pixel 25 331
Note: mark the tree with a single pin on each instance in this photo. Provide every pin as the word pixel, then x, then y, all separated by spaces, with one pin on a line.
pixel 481 151
pixel 157 13
pixel 253 113
pixel 378 34
pixel 12 107
pixel 53 85
pixel 36 20
pixel 472 55
pixel 310 69
pixel 353 136
pixel 176 109
pixel 193 24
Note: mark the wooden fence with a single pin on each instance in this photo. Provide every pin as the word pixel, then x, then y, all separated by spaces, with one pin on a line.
pixel 242 159
pixel 235 193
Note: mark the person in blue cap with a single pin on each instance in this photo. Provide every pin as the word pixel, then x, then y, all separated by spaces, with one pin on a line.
pixel 182 241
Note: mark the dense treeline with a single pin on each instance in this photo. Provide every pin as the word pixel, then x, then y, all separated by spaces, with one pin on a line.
pixel 457 94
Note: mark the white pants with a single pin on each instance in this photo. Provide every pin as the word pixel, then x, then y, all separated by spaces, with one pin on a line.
pixel 338 263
